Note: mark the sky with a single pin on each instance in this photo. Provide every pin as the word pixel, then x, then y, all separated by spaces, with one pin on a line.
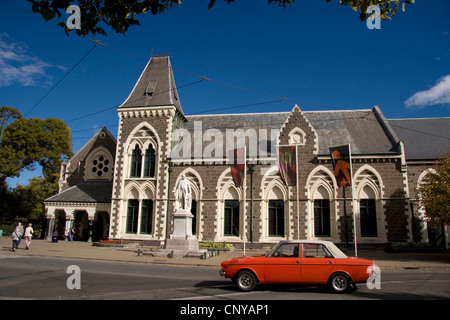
pixel 260 58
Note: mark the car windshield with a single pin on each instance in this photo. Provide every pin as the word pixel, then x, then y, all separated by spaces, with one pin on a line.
pixel 337 253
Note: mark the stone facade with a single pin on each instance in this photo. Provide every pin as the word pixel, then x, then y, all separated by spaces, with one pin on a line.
pixel 157 144
pixel 84 199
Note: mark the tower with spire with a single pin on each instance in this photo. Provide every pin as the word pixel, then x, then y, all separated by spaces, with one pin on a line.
pixel 147 118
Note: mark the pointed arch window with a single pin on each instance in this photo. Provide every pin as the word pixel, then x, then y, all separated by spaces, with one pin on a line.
pixel 231 227
pixel 136 162
pixel 368 214
pixel 149 162
pixel 276 218
pixel 132 216
pixel 322 222
pixel 147 217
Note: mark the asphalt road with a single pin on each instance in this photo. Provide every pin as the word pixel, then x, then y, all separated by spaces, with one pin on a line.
pixel 48 278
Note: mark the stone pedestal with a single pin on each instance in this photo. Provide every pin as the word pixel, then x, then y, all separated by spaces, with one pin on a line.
pixel 182 225
pixel 181 241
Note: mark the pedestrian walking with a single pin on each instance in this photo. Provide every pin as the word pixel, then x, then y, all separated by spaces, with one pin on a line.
pixel 28 234
pixel 19 229
pixel 16 236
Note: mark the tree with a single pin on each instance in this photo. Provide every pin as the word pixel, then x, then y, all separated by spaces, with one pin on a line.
pixel 7 115
pixel 388 8
pixel 28 201
pixel 119 15
pixel 27 142
pixel 434 193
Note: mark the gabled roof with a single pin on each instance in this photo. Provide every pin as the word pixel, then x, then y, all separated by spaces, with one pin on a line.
pixel 155 87
pixel 81 154
pixel 424 139
pixel 364 129
pixel 85 192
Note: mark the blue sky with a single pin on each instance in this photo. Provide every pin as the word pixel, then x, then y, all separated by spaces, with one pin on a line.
pixel 316 54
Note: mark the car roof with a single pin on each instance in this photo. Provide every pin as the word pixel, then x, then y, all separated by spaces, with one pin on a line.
pixel 329 244
pixel 308 241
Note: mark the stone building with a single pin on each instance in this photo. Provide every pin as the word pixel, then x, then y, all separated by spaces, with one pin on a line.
pixel 84 199
pixel 426 140
pixel 157 143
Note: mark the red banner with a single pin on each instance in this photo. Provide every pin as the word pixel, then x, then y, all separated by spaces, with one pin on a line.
pixel 287 164
pixel 237 164
pixel 340 156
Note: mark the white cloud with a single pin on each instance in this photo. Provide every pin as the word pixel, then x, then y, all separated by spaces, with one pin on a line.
pixel 439 94
pixel 18 66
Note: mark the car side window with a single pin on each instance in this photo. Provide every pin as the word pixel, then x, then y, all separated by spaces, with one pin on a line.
pixel 286 250
pixel 313 250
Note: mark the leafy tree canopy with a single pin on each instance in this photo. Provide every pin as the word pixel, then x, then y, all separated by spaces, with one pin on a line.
pixel 434 193
pixel 27 142
pixel 388 8
pixel 119 15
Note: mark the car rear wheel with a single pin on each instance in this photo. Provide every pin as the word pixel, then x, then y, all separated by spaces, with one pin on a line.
pixel 246 280
pixel 340 282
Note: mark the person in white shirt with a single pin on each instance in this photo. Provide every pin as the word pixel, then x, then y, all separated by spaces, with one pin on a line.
pixel 28 233
pixel 16 235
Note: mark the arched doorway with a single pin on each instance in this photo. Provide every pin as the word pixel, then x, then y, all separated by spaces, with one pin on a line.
pixel 101 226
pixel 81 226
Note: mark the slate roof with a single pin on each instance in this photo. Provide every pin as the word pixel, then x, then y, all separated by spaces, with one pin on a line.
pixel 97 191
pixel 155 87
pixel 84 150
pixel 424 139
pixel 364 129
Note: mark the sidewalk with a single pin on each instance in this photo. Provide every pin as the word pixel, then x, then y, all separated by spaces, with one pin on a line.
pixel 86 251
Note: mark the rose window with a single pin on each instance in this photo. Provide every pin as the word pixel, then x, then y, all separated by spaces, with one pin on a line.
pixel 100 166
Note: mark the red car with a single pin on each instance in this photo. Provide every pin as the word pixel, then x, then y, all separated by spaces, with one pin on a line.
pixel 308 262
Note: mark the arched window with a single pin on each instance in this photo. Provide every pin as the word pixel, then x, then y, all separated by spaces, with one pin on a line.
pixel 322 214
pixel 132 216
pixel 146 216
pixel 149 162
pixel 322 221
pixel 368 213
pixel 231 226
pixel 276 218
pixel 136 163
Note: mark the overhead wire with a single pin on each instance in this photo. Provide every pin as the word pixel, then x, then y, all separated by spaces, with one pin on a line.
pixel 201 79
pixel 136 100
pixel 60 80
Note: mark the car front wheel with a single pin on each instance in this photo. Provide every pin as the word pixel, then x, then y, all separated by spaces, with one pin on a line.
pixel 339 282
pixel 246 280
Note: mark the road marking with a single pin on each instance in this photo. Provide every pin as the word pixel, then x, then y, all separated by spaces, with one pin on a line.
pixel 216 295
pixel 3 256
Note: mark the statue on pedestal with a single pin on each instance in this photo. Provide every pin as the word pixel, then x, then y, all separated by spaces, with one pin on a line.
pixel 183 192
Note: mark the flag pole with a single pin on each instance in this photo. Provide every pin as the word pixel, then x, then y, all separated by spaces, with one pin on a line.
pixel 245 193
pixel 296 187
pixel 353 199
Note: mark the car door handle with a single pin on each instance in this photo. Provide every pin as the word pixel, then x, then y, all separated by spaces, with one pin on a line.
pixel 330 262
pixel 296 261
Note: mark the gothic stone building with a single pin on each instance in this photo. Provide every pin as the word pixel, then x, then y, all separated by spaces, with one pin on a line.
pixel 124 189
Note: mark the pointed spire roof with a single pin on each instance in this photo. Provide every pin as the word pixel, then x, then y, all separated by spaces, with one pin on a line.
pixel 155 87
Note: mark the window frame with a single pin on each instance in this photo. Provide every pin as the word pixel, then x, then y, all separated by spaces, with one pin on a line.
pixel 234 217
pixel 277 217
